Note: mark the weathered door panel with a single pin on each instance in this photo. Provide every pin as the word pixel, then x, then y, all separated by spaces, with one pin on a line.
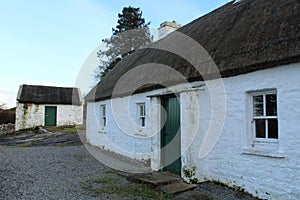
pixel 170 135
pixel 50 115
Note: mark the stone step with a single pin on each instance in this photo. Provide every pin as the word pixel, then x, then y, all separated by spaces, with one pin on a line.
pixel 154 178
pixel 168 183
pixel 177 187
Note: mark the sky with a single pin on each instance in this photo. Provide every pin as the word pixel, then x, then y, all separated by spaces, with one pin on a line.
pixel 55 42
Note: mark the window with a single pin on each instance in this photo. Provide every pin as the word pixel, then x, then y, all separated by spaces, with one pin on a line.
pixel 141 114
pixel 103 116
pixel 264 121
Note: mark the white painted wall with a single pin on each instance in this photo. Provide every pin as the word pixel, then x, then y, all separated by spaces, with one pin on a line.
pixel 121 136
pixel 265 174
pixel 271 174
pixel 29 115
pixel 32 115
pixel 69 115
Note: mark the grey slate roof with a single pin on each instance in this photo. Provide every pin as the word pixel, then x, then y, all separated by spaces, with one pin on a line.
pixel 240 37
pixel 37 94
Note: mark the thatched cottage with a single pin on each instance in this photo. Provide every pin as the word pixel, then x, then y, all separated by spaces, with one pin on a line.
pixel 48 106
pixel 219 98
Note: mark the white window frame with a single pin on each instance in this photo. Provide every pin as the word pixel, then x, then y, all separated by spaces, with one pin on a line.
pixel 264 116
pixel 141 117
pixel 103 118
pixel 267 147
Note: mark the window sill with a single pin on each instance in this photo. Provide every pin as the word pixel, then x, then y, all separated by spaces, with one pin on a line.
pixel 262 141
pixel 265 153
pixel 141 133
pixel 102 131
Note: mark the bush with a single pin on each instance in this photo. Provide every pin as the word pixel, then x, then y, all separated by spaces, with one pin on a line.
pixel 8 116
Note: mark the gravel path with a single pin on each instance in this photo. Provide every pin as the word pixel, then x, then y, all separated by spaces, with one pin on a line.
pixel 70 172
pixel 46 172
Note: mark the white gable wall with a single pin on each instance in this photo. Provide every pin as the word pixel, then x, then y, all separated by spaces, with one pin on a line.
pixel 32 115
pixel 272 175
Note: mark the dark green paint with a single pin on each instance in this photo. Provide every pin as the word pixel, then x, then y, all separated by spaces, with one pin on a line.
pixel 50 116
pixel 170 135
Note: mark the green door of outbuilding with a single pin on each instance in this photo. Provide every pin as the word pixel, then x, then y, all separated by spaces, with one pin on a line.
pixel 170 135
pixel 50 116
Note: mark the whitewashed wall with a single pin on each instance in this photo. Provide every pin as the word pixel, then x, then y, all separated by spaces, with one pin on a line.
pixel 69 115
pixel 121 136
pixel 272 175
pixel 32 115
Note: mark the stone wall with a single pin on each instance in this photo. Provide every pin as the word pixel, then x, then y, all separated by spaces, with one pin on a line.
pixel 7 128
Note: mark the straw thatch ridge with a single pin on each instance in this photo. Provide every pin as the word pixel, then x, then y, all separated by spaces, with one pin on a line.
pixel 37 94
pixel 240 37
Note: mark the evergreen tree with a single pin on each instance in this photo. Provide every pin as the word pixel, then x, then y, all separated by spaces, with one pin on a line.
pixel 130 34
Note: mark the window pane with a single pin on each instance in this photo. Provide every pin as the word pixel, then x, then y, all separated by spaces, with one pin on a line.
pixel 271 105
pixel 143 121
pixel 141 109
pixel 258 105
pixel 103 110
pixel 273 128
pixel 104 121
pixel 260 128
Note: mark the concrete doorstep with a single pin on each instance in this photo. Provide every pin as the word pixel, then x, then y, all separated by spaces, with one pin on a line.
pixel 169 184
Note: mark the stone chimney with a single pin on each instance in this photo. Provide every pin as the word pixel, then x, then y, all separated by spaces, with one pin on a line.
pixel 166 28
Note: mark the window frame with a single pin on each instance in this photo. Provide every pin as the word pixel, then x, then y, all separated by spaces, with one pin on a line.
pixel 103 116
pixel 263 93
pixel 141 118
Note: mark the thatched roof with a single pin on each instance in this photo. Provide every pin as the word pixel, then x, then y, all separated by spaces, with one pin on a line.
pixel 37 94
pixel 240 37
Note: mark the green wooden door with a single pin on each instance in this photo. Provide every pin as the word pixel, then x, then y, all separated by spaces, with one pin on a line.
pixel 170 135
pixel 50 116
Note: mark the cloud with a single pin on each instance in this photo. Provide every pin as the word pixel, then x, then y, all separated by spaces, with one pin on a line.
pixel 8 96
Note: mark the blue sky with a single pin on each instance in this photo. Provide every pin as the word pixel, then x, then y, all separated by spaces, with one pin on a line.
pixel 47 42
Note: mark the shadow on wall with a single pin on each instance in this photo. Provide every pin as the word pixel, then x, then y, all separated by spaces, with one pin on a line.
pixel 8 116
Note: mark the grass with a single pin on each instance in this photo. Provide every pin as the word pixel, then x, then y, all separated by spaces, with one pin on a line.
pixel 27 144
pixel 115 184
pixel 7 138
pixel 64 144
pixel 62 129
pixel 67 129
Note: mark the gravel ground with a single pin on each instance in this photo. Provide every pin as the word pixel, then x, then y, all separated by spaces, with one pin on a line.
pixel 46 172
pixel 70 172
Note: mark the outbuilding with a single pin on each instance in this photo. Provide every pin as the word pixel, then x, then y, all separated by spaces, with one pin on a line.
pixel 218 99
pixel 48 106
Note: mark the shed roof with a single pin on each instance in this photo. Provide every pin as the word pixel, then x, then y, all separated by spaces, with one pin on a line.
pixel 240 37
pixel 38 94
